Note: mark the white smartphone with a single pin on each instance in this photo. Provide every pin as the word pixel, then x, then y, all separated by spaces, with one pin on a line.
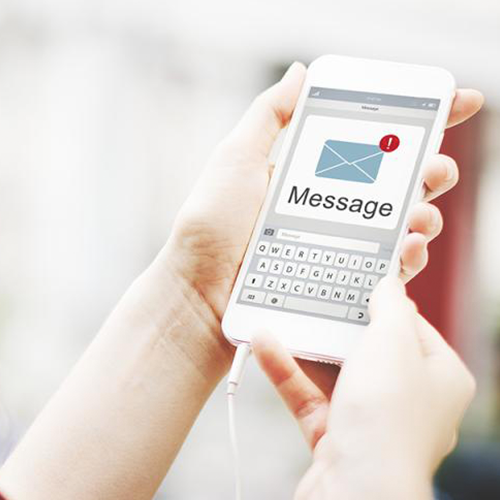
pixel 337 207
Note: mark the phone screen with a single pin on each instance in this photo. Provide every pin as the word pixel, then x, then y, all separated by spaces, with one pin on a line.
pixel 338 209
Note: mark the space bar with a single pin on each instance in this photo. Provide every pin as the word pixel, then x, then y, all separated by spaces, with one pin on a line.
pixel 313 306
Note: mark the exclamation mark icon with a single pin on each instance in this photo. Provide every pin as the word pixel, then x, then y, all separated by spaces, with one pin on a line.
pixel 389 143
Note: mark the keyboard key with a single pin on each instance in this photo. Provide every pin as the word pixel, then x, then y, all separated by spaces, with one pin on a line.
pixel 284 285
pixel 263 265
pixel 277 267
pixel 328 258
pixel 311 289
pixel 253 296
pixel 275 250
pixel 355 262
pixel 357 279
pixel 297 287
pixel 314 256
pixel 341 260
pixel 303 271
pixel 369 264
pixel 370 281
pixel 302 253
pixel 329 275
pixel 254 280
pixel 382 266
pixel 338 294
pixel 316 307
pixel 343 277
pixel 270 283
pixel 275 300
pixel 357 314
pixel 316 273
pixel 288 252
pixel 324 292
pixel 262 248
pixel 366 299
pixel 352 296
pixel 290 269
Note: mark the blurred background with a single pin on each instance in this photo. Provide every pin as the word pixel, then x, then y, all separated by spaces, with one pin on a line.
pixel 108 111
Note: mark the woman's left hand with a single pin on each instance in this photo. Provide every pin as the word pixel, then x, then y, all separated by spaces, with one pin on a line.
pixel 214 226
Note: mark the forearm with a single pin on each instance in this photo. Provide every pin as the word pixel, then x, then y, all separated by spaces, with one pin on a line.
pixel 118 421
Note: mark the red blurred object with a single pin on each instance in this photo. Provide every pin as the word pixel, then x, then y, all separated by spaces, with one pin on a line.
pixel 444 290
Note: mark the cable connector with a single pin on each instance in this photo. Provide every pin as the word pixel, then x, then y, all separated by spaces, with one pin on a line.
pixel 237 368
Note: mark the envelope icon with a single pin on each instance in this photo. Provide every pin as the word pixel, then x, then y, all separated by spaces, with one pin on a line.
pixel 349 161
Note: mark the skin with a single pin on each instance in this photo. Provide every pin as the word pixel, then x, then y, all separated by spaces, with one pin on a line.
pixel 116 424
pixel 420 392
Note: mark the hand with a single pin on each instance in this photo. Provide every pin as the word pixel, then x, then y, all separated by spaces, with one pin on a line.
pixel 395 412
pixel 214 226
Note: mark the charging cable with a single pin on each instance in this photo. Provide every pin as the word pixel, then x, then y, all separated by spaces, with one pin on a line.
pixel 233 383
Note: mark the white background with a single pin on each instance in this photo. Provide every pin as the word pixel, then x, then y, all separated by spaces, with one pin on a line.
pixel 390 186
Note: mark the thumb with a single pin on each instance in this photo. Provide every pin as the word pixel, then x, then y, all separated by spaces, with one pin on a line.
pixel 433 344
pixel 389 304
pixel 391 335
pixel 269 113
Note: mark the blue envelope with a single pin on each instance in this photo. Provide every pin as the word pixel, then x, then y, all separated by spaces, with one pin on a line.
pixel 349 161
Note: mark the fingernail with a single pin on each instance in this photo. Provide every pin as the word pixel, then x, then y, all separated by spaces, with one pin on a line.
pixel 260 336
pixel 434 218
pixel 290 69
pixel 450 172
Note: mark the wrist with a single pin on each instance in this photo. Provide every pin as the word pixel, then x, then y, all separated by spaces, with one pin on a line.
pixel 374 474
pixel 378 481
pixel 168 309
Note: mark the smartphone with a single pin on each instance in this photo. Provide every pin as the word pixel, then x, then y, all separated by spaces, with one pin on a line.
pixel 337 207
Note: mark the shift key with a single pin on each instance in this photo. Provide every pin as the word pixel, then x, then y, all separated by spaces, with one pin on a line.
pixel 316 307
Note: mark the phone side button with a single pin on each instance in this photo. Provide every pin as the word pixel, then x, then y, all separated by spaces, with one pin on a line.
pixel 315 307
pixel 253 296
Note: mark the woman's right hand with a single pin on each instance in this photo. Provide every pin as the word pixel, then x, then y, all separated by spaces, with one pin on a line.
pixel 395 411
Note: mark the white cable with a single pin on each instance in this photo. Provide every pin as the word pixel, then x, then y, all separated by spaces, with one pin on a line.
pixel 233 383
pixel 234 446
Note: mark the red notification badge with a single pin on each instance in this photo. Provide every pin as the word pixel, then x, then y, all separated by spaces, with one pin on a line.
pixel 389 143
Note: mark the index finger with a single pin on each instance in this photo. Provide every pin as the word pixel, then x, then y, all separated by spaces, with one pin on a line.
pixel 305 400
pixel 467 102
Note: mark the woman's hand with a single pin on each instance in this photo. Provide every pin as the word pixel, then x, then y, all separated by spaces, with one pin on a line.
pixel 215 224
pixel 394 414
